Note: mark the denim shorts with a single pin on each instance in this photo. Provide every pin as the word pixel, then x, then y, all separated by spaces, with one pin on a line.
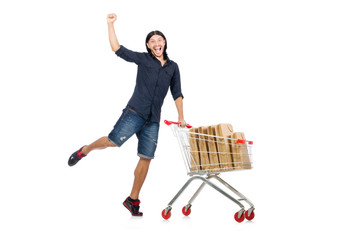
pixel 131 123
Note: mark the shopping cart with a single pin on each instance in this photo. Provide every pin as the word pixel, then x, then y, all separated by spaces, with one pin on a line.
pixel 205 157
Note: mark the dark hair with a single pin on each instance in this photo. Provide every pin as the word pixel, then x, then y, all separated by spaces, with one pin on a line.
pixel 160 34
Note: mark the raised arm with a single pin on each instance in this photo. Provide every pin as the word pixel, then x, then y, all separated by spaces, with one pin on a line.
pixel 111 18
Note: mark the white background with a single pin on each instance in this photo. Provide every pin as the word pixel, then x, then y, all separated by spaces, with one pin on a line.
pixel 283 72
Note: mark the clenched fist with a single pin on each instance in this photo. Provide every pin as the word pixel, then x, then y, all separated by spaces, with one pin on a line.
pixel 111 18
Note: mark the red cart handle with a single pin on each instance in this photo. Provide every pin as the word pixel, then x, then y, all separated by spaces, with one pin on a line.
pixel 168 123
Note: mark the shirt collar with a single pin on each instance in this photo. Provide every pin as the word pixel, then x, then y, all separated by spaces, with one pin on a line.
pixel 167 59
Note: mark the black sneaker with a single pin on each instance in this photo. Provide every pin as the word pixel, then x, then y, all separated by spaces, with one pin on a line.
pixel 75 157
pixel 133 206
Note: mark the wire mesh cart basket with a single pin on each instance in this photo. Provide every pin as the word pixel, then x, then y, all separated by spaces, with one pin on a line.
pixel 206 155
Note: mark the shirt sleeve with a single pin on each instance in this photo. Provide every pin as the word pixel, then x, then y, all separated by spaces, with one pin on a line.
pixel 175 85
pixel 130 56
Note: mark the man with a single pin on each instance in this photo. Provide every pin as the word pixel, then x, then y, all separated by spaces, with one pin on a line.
pixel 156 74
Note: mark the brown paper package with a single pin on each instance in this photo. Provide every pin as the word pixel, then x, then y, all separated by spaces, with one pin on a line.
pixel 211 143
pixel 223 146
pixel 195 152
pixel 204 156
pixel 240 154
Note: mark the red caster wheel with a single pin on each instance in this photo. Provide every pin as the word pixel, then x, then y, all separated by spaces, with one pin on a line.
pixel 252 215
pixel 186 213
pixel 236 217
pixel 166 216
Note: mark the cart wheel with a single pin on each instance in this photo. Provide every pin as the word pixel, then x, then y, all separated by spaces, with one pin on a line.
pixel 252 215
pixel 242 217
pixel 166 216
pixel 186 213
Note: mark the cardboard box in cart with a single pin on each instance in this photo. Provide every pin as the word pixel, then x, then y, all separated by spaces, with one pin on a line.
pixel 223 146
pixel 213 156
pixel 240 154
pixel 194 149
pixel 204 155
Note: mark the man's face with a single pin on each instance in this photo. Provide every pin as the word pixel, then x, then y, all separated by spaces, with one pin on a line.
pixel 156 44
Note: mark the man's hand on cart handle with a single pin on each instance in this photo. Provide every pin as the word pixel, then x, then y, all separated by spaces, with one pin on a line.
pixel 182 123
pixel 178 123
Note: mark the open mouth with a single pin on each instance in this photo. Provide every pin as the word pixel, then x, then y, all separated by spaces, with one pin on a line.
pixel 158 51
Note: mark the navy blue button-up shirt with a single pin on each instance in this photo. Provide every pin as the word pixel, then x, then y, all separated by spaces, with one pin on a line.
pixel 152 83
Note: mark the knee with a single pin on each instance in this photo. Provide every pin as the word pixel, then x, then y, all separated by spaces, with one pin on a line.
pixel 144 161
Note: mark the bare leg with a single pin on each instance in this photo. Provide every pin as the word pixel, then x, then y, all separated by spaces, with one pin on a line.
pixel 140 174
pixel 101 143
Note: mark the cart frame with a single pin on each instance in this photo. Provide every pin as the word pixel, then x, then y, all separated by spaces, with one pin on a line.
pixel 182 135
